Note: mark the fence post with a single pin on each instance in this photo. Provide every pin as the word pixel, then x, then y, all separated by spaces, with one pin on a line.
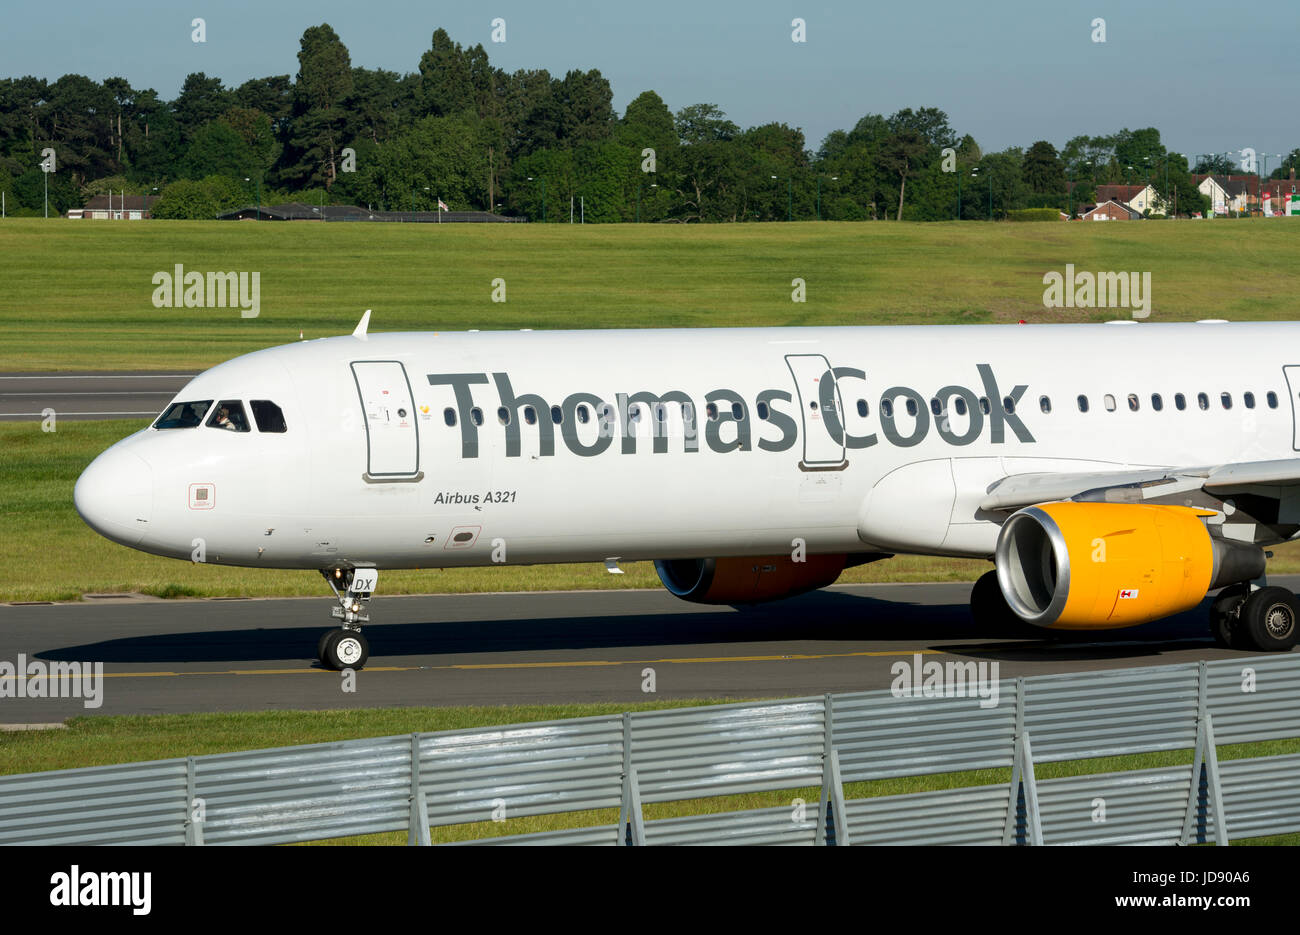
pixel 417 831
pixel 1204 791
pixel 631 827
pixel 1024 789
pixel 195 808
pixel 832 830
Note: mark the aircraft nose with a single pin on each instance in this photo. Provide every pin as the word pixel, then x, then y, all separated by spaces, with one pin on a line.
pixel 114 495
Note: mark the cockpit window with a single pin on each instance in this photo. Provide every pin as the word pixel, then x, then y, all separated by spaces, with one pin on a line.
pixel 183 415
pixel 268 415
pixel 229 415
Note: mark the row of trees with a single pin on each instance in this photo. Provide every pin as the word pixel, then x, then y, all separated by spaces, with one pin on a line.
pixel 526 143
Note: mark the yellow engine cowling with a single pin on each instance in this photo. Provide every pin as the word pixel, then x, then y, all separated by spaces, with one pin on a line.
pixel 747 580
pixel 1092 566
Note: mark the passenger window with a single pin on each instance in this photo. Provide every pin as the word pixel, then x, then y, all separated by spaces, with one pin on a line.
pixel 1109 402
pixel 911 406
pixel 1226 400
pixel 1156 402
pixel 887 408
pixel 935 407
pixel 476 415
pixel 448 416
pixel 1248 399
pixel 862 408
pixel 1083 403
pixel 229 415
pixel 1272 399
pixel 984 405
pixel 738 412
pixel 583 415
pixel 1133 402
pixel 1008 405
pixel 530 415
pixel 762 410
pixel 1180 402
pixel 557 415
pixel 959 404
pixel 711 410
pixel 1202 400
pixel 503 415
pixel 1044 404
pixel 183 415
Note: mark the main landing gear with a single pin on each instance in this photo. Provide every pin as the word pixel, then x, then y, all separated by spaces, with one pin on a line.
pixel 1263 619
pixel 345 647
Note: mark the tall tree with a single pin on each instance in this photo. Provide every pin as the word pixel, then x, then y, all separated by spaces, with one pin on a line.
pixel 704 123
pixel 1042 169
pixel 202 99
pixel 324 82
pixel 903 154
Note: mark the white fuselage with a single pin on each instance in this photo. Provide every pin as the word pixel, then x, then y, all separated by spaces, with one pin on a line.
pixel 369 472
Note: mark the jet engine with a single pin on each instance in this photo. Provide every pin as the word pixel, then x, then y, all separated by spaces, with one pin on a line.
pixel 1092 566
pixel 747 580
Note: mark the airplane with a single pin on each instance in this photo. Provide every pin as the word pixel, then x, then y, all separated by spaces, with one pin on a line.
pixel 1113 473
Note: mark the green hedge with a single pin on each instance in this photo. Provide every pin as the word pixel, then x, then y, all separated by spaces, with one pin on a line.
pixel 1034 214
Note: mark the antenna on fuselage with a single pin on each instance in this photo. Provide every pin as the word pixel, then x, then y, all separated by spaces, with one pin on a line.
pixel 360 331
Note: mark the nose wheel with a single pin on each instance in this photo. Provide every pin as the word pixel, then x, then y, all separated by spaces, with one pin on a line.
pixel 345 647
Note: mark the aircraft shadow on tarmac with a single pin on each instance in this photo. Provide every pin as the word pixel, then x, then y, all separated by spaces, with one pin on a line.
pixel 849 622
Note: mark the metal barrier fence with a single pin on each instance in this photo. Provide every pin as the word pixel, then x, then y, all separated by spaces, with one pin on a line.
pixel 413 782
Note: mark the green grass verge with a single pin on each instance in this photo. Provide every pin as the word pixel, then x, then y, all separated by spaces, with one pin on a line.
pixel 79 294
pixel 96 741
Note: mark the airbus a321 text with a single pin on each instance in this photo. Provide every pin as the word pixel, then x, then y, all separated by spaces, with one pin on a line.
pixel 1114 473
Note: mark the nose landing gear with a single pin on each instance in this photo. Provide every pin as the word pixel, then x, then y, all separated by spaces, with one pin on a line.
pixel 345 647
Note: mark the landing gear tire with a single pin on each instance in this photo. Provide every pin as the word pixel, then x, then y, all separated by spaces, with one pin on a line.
pixel 320 644
pixel 1270 620
pixel 344 649
pixel 1225 614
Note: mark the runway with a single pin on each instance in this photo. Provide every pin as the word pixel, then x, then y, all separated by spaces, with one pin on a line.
pixel 24 397
pixel 494 649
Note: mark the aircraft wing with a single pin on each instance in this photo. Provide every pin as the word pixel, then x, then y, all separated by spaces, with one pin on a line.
pixel 1263 478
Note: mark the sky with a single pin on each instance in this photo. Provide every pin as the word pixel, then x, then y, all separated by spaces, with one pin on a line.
pixel 1211 77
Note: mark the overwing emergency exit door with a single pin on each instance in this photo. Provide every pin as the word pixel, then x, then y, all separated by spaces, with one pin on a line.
pixel 820 411
pixel 388 411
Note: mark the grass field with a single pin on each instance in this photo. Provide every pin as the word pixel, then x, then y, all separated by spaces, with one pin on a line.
pixel 79 294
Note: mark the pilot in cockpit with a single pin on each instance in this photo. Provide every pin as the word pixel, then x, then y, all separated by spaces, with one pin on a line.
pixel 224 421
